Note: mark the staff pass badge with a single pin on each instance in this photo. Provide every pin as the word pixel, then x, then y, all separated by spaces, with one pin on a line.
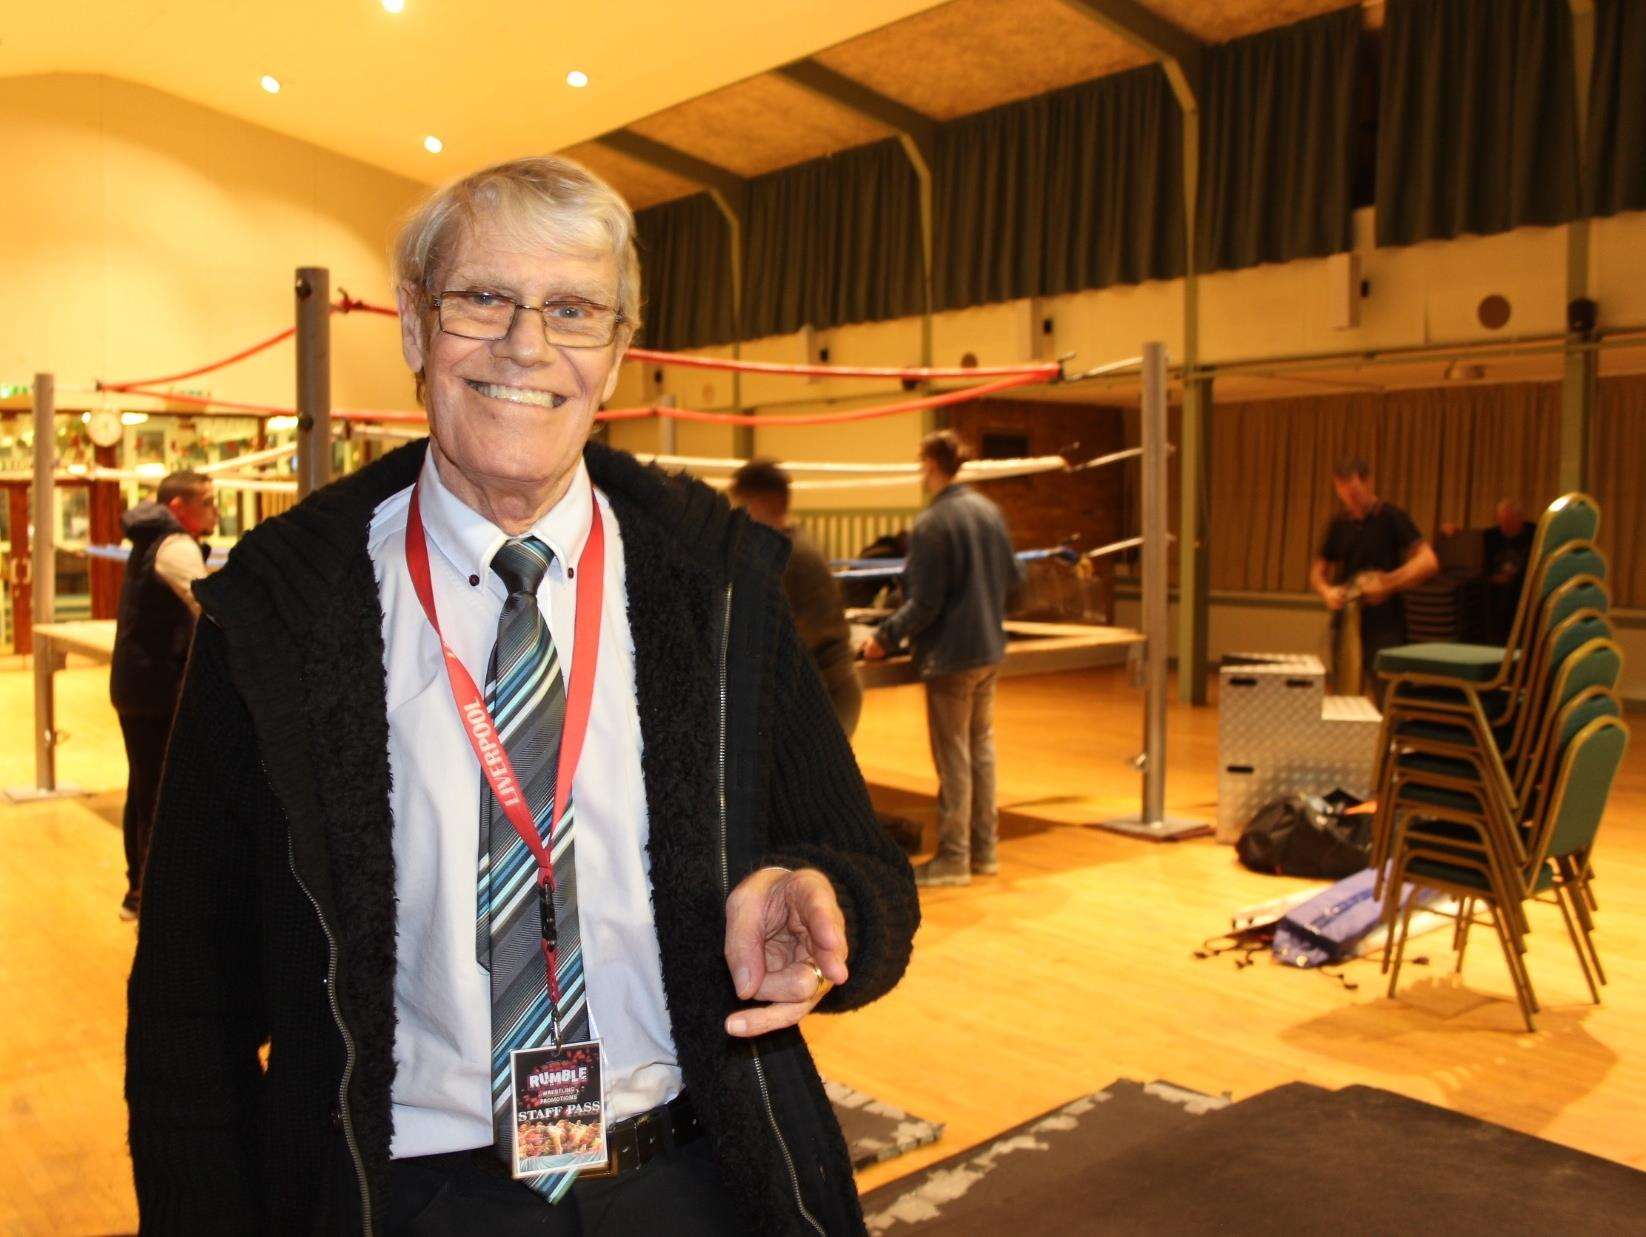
pixel 558 1108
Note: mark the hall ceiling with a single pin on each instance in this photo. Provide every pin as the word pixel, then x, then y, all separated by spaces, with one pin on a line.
pixel 488 77
pixel 945 61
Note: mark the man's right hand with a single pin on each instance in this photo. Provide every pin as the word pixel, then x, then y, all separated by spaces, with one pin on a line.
pixel 873 650
pixel 1335 597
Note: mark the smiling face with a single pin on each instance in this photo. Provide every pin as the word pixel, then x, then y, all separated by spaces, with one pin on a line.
pixel 511 416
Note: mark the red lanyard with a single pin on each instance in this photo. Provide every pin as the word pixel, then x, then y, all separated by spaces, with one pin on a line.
pixel 482 731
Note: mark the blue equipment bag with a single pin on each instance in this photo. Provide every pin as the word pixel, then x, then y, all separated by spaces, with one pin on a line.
pixel 1327 927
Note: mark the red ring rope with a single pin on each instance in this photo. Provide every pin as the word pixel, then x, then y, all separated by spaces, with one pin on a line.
pixel 1037 370
pixel 270 342
pixel 1040 369
pixel 1004 377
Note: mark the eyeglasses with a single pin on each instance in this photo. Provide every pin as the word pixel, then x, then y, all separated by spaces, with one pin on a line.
pixel 569 322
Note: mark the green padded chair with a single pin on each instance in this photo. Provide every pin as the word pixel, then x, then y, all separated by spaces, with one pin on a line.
pixel 1449 674
pixel 1571 518
pixel 1468 724
pixel 1438 805
pixel 1431 745
pixel 1563 832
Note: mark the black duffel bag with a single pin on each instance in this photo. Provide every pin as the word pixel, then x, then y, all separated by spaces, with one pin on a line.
pixel 1302 835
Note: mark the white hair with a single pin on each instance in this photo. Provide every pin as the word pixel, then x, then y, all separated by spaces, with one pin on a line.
pixel 554 198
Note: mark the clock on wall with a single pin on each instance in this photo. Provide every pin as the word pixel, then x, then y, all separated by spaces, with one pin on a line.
pixel 104 427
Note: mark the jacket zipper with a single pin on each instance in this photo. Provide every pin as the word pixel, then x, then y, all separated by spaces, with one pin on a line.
pixel 343 1030
pixel 725 892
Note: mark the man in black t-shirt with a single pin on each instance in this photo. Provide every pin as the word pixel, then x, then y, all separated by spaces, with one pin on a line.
pixel 1371 551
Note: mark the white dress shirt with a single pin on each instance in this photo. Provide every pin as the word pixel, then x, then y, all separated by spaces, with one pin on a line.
pixel 442 997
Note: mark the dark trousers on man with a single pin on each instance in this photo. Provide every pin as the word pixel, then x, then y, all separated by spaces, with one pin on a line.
pixel 960 719
pixel 145 735
pixel 1378 631
pixel 677 1192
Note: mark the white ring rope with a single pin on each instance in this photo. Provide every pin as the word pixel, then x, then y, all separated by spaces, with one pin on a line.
pixel 255 484
pixel 249 460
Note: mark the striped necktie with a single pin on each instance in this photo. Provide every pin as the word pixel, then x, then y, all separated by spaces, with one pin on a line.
pixel 526 692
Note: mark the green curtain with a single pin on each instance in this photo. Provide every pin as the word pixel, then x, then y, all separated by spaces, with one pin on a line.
pixel 1080 188
pixel 833 241
pixel 1477 124
pixel 1615 163
pixel 685 274
pixel 1277 114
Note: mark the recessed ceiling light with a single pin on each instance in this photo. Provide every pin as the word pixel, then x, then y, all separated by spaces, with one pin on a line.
pixel 270 83
pixel 577 78
pixel 433 144
pixel 394 6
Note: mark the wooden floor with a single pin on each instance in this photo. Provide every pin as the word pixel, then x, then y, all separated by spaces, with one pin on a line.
pixel 1071 969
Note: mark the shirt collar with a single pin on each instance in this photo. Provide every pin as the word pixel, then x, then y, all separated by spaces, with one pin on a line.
pixel 468 539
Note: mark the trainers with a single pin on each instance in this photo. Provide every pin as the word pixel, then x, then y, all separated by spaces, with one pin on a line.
pixel 985 867
pixel 938 872
pixel 128 908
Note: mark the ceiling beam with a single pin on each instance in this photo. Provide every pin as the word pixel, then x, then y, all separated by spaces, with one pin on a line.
pixel 854 96
pixel 1177 50
pixel 711 176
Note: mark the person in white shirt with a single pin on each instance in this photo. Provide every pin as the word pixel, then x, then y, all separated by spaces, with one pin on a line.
pixel 153 626
pixel 728 876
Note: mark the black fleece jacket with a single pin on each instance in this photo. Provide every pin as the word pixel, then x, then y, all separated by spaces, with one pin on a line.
pixel 268 909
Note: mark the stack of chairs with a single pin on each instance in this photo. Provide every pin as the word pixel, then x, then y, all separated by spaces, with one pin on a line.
pixel 1494 763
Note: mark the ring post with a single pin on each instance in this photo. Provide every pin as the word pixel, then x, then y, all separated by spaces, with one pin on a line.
pixel 314 448
pixel 1151 821
pixel 48 659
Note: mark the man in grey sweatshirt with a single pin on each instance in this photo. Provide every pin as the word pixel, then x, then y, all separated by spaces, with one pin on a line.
pixel 961 578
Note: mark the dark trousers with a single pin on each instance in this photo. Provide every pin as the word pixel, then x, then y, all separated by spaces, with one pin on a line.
pixel 145 737
pixel 1374 638
pixel 677 1192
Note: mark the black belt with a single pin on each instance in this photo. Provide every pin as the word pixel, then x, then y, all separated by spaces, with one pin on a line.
pixel 630 1142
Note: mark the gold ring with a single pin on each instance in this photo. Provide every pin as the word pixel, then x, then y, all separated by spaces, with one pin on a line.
pixel 822 982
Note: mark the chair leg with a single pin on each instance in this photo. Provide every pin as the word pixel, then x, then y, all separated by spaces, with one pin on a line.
pixel 1576 892
pixel 1522 983
pixel 1574 870
pixel 1465 920
pixel 1561 896
pixel 1392 884
pixel 1400 945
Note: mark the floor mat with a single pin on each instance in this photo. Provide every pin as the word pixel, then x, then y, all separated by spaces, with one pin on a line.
pixel 1010 1184
pixel 875 1131
pixel 1298 1160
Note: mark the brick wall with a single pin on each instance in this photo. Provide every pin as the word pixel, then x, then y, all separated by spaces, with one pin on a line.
pixel 1043 510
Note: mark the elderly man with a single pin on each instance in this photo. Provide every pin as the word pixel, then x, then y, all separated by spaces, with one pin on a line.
pixel 506 807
